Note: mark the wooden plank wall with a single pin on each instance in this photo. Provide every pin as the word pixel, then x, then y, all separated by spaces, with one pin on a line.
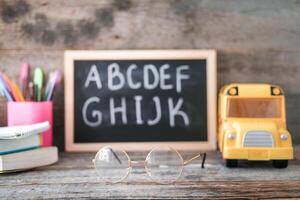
pixel 257 41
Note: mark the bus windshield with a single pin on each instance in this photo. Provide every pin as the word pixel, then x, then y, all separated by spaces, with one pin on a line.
pixel 254 107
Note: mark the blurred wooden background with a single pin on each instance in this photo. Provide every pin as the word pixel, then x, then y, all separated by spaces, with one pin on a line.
pixel 256 41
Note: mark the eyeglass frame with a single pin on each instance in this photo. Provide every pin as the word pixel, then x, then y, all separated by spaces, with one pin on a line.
pixel 132 163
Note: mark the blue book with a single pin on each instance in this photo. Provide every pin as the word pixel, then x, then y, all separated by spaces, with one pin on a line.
pixel 22 144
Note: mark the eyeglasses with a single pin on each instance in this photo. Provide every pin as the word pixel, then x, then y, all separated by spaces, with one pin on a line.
pixel 163 164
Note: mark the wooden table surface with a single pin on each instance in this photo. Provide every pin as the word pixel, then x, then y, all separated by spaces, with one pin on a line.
pixel 74 177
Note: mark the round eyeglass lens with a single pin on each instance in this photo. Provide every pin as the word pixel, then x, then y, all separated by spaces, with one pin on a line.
pixel 112 165
pixel 164 165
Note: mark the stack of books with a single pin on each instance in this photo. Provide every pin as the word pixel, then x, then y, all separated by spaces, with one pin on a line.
pixel 21 148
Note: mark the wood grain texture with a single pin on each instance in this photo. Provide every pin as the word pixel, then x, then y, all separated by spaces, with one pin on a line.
pixel 74 177
pixel 256 41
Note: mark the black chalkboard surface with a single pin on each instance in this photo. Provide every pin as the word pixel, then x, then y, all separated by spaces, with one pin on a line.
pixel 146 97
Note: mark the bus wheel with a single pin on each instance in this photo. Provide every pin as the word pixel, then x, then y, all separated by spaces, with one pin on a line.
pixel 280 163
pixel 231 163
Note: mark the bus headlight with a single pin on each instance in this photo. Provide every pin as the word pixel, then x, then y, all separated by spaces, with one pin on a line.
pixel 284 136
pixel 231 136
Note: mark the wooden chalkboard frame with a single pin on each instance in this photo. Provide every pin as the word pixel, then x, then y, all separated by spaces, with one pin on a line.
pixel 208 55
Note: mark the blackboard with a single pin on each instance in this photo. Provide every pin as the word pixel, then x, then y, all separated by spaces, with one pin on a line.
pixel 139 99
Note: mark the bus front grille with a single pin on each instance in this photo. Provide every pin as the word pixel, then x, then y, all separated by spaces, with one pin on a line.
pixel 258 139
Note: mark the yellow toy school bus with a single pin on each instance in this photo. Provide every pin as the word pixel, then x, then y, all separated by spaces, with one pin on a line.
pixel 252 124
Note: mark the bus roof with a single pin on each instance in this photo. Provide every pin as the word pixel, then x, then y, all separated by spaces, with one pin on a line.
pixel 251 90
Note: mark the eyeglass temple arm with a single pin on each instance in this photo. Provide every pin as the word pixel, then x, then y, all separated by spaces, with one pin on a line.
pixel 203 159
pixel 115 155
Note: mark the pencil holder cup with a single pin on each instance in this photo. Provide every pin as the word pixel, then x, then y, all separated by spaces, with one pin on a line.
pixel 26 113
